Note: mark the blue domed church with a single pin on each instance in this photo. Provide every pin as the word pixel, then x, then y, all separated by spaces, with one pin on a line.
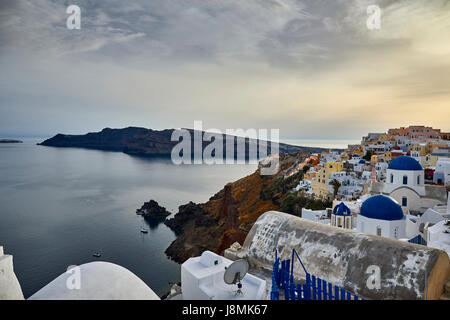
pixel 405 182
pixel 382 216
pixel 341 216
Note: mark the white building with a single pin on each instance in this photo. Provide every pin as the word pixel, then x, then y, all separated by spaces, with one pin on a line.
pixel 381 168
pixel 382 216
pixel 431 227
pixel 354 159
pixel 320 216
pixel 405 179
pixel 438 236
pixel 202 278
pixel 351 185
pixel 98 280
pixel 376 148
pixel 405 171
pixel 342 217
pixel 353 205
pixel 304 185
pixel 442 172
pixel 359 166
pixel 332 156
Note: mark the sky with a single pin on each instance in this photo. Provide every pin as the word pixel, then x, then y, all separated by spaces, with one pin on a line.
pixel 312 69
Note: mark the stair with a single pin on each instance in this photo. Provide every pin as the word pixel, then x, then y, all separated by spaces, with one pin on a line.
pixel 446 294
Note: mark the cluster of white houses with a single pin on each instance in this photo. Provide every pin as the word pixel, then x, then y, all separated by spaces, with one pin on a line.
pixel 387 197
pixel 375 160
pixel 403 208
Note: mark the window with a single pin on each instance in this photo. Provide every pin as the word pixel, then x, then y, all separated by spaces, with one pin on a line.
pixel 348 223
pixel 405 180
pixel 392 178
pixel 404 201
pixel 418 179
pixel 378 231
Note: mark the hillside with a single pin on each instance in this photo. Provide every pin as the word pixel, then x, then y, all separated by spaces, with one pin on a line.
pixel 143 142
pixel 229 215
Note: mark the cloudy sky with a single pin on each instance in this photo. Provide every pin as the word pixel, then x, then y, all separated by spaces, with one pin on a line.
pixel 310 68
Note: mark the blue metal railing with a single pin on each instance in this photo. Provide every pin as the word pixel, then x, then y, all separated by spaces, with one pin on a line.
pixel 313 288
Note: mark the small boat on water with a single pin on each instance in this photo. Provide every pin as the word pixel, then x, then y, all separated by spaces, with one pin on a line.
pixel 96 254
pixel 143 230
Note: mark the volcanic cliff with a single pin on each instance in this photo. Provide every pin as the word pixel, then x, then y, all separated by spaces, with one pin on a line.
pixel 229 215
pixel 147 142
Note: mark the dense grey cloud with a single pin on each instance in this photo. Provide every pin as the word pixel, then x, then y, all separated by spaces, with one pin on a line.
pixel 281 31
pixel 310 68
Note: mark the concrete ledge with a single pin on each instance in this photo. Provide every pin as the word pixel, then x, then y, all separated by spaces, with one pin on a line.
pixel 343 257
pixel 9 285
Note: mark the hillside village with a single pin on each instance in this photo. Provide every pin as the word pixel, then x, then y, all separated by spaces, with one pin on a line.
pixel 383 204
pixel 393 184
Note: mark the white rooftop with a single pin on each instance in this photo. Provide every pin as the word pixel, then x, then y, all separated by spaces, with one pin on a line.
pixel 202 279
pixel 98 281
pixel 439 236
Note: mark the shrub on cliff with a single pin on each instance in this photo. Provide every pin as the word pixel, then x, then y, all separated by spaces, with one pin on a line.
pixel 293 204
pixel 284 185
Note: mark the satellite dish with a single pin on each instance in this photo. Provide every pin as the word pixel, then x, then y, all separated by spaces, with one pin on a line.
pixel 235 273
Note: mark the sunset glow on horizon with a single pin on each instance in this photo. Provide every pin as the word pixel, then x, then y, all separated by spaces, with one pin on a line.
pixel 310 68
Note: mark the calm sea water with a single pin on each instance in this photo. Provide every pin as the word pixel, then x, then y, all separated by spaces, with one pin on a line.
pixel 59 205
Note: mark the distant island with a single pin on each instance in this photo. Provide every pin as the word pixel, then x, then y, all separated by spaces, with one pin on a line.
pixel 10 141
pixel 145 142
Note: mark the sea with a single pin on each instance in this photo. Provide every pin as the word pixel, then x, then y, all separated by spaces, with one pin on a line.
pixel 60 205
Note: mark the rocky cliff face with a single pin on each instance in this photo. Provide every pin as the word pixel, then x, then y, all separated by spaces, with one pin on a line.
pixel 229 215
pixel 10 141
pixel 144 142
pixel 129 140
pixel 152 210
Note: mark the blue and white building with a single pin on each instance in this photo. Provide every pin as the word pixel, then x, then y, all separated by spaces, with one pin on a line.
pixel 382 216
pixel 359 166
pixel 405 182
pixel 342 216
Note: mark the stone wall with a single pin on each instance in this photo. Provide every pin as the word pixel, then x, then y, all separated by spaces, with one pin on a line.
pixel 345 257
